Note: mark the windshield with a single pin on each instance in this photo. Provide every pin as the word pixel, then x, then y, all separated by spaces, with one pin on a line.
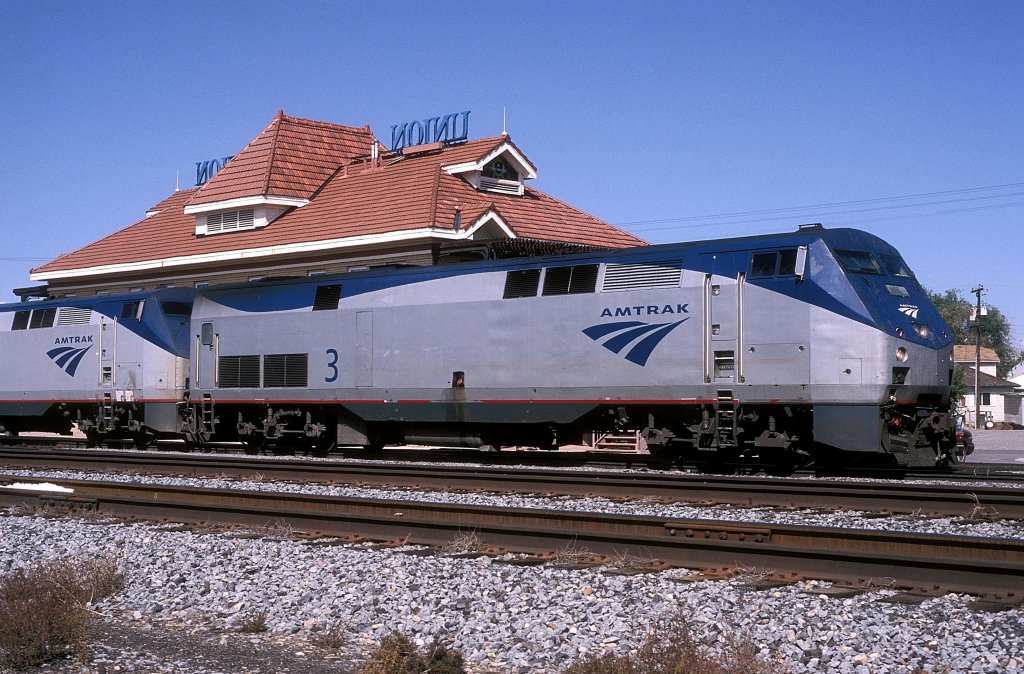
pixel 895 266
pixel 858 262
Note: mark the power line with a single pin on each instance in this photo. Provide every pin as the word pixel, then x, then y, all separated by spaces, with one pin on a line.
pixel 874 204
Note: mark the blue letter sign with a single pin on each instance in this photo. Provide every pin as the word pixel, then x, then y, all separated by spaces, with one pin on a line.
pixel 447 129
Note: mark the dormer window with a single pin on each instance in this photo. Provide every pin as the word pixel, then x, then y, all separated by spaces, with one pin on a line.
pixel 499 176
pixel 222 221
pixel 502 170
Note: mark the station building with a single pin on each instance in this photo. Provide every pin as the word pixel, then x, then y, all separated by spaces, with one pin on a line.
pixel 306 197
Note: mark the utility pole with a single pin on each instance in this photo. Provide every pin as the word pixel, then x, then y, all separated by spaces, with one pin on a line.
pixel 977 356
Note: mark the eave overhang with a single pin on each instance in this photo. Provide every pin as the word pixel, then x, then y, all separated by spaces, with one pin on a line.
pixel 245 201
pixel 425 234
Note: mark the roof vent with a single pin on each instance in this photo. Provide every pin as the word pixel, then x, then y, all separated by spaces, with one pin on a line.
pixel 810 226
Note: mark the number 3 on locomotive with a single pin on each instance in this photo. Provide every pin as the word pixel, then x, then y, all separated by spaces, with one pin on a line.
pixel 332 364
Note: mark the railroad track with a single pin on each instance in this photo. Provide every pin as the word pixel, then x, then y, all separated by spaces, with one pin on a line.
pixel 923 564
pixel 976 501
pixel 1009 472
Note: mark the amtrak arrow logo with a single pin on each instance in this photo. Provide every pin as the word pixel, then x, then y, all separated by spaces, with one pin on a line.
pixel 640 337
pixel 910 310
pixel 68 358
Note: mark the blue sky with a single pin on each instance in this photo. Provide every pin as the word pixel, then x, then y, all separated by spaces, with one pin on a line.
pixel 675 120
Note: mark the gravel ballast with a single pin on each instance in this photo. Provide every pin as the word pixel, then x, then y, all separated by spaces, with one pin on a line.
pixel 503 617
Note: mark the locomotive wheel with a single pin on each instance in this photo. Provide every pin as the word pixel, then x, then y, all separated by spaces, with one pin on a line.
pixel 321 447
pixel 144 439
pixel 93 437
pixel 253 444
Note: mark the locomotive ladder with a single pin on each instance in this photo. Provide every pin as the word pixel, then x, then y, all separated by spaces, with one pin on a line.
pixel 107 413
pixel 725 419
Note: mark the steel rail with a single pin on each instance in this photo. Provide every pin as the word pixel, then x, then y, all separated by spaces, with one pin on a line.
pixel 887 497
pixel 992 568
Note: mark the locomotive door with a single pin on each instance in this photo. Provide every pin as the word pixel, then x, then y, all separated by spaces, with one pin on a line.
pixel 723 320
pixel 206 352
pixel 107 352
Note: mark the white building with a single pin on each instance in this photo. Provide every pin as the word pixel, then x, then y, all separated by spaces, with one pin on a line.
pixel 1000 398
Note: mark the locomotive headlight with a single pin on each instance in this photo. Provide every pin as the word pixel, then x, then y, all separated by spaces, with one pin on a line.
pixel 902 355
pixel 922 330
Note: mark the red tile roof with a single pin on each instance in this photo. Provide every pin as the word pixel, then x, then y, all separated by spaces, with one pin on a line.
pixel 292 157
pixel 385 198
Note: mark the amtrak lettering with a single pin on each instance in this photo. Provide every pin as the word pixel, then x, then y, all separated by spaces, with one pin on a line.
pixel 646 310
pixel 86 339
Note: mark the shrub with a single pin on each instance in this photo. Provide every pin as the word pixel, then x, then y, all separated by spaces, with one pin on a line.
pixel 253 622
pixel 672 649
pixel 397 654
pixel 331 637
pixel 44 609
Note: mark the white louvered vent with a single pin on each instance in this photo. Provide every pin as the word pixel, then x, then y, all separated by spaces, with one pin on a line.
pixel 73 315
pixel 230 221
pixel 636 276
pixel 501 186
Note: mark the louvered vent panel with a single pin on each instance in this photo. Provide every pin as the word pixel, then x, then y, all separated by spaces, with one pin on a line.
pixel 285 369
pixel 229 221
pixel 73 316
pixel 327 298
pixel 636 276
pixel 522 283
pixel 239 372
pixel 500 186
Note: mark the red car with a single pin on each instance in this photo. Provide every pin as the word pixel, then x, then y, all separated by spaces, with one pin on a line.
pixel 964 440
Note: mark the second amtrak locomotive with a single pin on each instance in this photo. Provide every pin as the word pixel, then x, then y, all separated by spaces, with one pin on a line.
pixel 818 344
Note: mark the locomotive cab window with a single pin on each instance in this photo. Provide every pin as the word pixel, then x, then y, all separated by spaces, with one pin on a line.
pixel 132 310
pixel 570 280
pixel 895 266
pixel 858 262
pixel 774 263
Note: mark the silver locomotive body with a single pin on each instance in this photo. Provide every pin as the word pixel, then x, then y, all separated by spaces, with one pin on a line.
pixel 114 366
pixel 816 344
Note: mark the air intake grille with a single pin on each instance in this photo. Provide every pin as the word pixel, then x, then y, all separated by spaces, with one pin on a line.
pixel 522 283
pixel 327 298
pixel 285 369
pixel 637 276
pixel 239 372
pixel 73 315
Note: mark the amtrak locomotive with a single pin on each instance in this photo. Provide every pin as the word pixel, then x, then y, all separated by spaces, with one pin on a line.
pixel 814 345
